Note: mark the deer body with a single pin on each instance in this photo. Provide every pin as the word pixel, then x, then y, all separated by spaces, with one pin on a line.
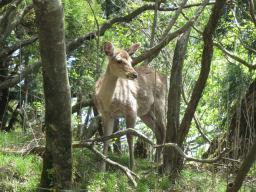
pixel 124 91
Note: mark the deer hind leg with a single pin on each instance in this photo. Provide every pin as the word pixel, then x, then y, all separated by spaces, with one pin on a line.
pixel 130 123
pixel 108 124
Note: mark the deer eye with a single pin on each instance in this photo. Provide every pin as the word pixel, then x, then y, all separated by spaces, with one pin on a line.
pixel 119 61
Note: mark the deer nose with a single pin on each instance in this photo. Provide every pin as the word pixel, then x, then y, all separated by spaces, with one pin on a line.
pixel 135 75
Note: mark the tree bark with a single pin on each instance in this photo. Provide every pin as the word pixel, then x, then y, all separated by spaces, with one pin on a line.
pixel 171 157
pixel 4 94
pixel 57 160
pixel 244 169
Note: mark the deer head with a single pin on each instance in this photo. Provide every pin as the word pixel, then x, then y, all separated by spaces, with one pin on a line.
pixel 120 61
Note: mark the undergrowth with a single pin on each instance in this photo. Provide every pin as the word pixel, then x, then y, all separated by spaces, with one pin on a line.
pixel 22 172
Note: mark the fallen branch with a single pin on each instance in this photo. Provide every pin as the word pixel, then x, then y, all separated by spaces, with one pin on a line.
pixel 127 171
pixel 121 133
pixel 174 145
pixel 179 150
pixel 90 142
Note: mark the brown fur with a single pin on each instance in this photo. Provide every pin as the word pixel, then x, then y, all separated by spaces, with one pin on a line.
pixel 124 91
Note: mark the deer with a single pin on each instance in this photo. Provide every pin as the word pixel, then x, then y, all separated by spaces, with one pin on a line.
pixel 127 91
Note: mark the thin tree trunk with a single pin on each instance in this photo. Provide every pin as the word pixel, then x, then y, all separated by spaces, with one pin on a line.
pixel 13 119
pixel 79 115
pixel 57 160
pixel 24 105
pixel 171 157
pixel 244 169
pixel 3 95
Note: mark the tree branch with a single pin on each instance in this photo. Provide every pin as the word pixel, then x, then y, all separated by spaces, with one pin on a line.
pixel 108 24
pixel 170 36
pixel 228 52
pixel 127 171
pixel 8 51
pixel 234 56
pixel 198 124
pixel 142 136
pixel 8 23
pixel 4 2
pixel 17 78
pixel 77 106
pixel 168 28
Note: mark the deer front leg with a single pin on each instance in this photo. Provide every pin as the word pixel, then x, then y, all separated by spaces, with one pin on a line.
pixel 130 123
pixel 108 124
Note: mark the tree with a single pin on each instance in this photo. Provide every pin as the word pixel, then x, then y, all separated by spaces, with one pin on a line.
pixel 57 164
pixel 175 132
pixel 171 158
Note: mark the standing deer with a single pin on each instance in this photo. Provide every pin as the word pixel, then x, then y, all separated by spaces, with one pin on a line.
pixel 124 91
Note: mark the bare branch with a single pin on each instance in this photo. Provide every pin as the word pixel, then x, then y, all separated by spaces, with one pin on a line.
pixel 17 78
pixel 168 28
pixel 4 2
pixel 23 13
pixel 179 150
pixel 8 23
pixel 198 124
pixel 77 106
pixel 234 56
pixel 121 133
pixel 228 52
pixel 108 24
pixel 8 51
pixel 153 29
pixel 136 133
pixel 127 171
pixel 170 36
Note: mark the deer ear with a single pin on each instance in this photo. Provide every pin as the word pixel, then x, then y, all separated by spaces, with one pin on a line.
pixel 109 48
pixel 132 49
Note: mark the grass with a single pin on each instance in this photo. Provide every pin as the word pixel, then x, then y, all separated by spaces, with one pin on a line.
pixel 22 173
pixel 17 172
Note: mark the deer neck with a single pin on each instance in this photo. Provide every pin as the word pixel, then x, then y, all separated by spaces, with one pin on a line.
pixel 108 86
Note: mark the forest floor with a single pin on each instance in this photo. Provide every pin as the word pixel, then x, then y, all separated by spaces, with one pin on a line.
pixel 20 171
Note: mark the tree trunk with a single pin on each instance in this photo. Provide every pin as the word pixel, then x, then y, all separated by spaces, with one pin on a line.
pixel 3 96
pixel 244 169
pixel 13 118
pixel 57 160
pixel 172 160
pixel 79 115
